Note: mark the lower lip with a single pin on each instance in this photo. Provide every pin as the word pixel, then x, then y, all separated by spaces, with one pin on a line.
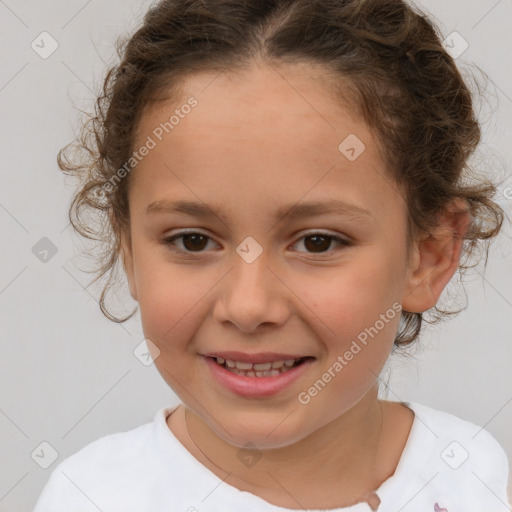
pixel 256 387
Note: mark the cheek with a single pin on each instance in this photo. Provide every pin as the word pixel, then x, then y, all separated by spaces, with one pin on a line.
pixel 351 299
pixel 171 308
pixel 362 312
pixel 172 299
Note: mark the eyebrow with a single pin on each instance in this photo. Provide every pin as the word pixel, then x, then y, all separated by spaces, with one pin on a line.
pixel 301 210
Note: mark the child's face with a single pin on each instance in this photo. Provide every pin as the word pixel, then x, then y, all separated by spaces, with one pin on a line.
pixel 254 145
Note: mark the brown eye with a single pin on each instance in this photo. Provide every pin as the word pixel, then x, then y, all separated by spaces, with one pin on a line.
pixel 191 242
pixel 319 243
pixel 194 242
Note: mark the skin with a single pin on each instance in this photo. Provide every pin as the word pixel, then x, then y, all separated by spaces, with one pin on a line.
pixel 258 140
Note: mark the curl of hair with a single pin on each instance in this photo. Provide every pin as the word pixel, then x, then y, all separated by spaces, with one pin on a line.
pixel 386 57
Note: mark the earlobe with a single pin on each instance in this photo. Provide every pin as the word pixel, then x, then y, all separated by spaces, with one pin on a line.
pixel 436 258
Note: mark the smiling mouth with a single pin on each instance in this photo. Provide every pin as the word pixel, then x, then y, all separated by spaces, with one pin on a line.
pixel 268 369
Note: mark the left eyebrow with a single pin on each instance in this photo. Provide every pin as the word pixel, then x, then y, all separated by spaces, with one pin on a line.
pixel 311 209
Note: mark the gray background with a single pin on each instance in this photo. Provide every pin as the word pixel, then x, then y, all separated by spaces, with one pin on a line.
pixel 68 376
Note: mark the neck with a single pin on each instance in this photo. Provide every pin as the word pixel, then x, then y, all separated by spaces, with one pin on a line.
pixel 343 454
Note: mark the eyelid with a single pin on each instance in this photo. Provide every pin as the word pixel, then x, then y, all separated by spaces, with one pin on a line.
pixel 311 232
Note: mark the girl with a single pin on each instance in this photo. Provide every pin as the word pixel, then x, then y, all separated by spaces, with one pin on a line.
pixel 286 185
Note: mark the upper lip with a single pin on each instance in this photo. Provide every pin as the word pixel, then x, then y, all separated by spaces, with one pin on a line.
pixel 260 357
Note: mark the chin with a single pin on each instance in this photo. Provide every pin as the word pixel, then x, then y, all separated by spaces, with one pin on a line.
pixel 263 434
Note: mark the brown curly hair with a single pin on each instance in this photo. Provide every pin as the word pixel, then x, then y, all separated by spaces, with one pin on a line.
pixel 400 78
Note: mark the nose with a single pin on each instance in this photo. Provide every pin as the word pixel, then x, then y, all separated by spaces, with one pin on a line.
pixel 252 295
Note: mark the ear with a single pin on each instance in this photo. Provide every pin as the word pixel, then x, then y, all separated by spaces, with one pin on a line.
pixel 436 258
pixel 127 258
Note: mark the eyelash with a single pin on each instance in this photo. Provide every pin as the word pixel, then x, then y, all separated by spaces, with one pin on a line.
pixel 168 241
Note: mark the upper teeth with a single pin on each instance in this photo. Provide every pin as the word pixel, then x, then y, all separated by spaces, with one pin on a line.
pixel 255 366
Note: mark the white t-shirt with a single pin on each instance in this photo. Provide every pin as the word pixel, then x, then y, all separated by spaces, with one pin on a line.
pixel 448 464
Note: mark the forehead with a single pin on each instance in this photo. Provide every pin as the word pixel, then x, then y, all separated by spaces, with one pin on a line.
pixel 264 131
pixel 258 102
